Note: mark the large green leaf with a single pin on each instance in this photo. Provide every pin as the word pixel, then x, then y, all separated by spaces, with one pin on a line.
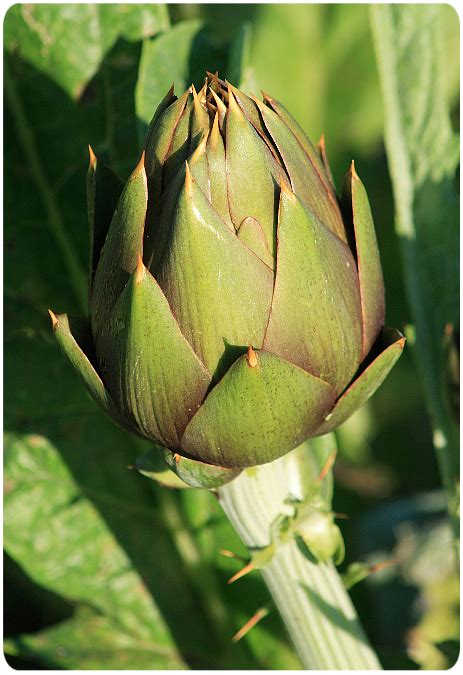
pixel 64 544
pixel 423 156
pixel 68 645
pixel 68 42
pixel 180 56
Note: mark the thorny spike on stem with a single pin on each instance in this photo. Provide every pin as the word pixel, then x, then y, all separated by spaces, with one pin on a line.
pixel 229 554
pixel 242 573
pixel 54 319
pixel 92 163
pixel 253 621
pixel 327 466
pixel 377 567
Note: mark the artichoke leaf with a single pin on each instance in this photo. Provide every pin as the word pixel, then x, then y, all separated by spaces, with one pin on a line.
pixel 321 147
pixel 315 320
pixel 103 191
pixel 302 138
pixel 121 249
pixel 219 290
pixel 262 408
pixel 390 346
pixel 152 465
pixel 306 181
pixel 217 175
pixel 358 213
pixel 159 142
pixel 75 339
pixel 252 180
pixel 151 371
pixel 251 233
pixel 177 152
pixel 197 474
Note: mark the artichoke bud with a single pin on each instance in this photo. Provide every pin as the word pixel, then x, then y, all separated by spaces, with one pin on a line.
pixel 321 536
pixel 236 303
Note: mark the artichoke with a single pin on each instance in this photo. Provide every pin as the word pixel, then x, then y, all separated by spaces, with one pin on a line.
pixel 236 305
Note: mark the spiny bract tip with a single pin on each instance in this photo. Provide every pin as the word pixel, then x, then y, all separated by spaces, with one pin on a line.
pixel 140 166
pixel 251 357
pixel 92 156
pixel 54 319
pixel 188 179
pixel 139 270
pixel 353 172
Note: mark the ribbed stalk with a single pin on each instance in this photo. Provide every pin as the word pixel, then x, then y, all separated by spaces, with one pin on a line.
pixel 318 613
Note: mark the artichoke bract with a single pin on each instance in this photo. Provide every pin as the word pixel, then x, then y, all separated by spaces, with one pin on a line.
pixel 236 303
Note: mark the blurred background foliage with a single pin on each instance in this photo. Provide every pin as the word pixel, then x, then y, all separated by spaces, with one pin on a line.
pixel 103 569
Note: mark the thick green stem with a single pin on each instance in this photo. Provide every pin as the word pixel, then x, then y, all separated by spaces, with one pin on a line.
pixel 318 613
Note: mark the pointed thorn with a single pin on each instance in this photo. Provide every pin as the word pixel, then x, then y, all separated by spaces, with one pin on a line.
pixel 265 96
pixel 139 168
pixel 188 180
pixel 353 172
pixel 258 616
pixel 195 96
pixel 286 189
pixel 215 132
pixel 232 102
pixel 251 357
pixel 54 319
pixel 229 554
pixel 177 457
pixel 327 466
pixel 241 573
pixel 220 104
pixel 321 144
pixel 377 567
pixel 200 150
pixel 202 93
pixel 92 163
pixel 258 103
pixel 140 270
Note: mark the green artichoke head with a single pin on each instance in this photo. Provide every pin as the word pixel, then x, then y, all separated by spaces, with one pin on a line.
pixel 236 303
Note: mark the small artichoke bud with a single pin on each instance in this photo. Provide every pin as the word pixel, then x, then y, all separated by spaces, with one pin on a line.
pixel 321 536
pixel 236 301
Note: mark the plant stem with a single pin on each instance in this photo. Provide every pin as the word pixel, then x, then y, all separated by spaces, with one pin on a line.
pixel 318 613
